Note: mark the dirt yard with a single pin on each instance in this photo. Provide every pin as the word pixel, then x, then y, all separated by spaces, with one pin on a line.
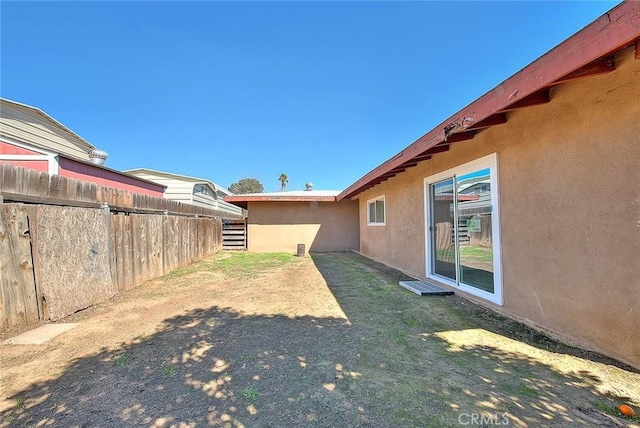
pixel 328 340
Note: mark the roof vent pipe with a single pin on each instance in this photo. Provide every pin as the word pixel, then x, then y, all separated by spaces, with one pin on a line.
pixel 98 157
pixel 309 186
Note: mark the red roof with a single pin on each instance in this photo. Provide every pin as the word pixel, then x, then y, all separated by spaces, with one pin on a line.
pixel 588 52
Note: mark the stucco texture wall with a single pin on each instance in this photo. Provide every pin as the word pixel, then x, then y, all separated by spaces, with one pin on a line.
pixel 569 188
pixel 321 226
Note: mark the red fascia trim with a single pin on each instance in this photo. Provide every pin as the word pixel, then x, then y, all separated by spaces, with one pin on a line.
pixel 613 31
pixel 248 198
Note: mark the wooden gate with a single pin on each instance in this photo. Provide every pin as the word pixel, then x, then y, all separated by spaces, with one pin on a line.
pixel 234 234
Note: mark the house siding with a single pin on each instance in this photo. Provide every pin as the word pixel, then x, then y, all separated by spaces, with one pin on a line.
pixel 81 171
pixel 322 226
pixel 38 165
pixel 11 149
pixel 569 188
pixel 24 124
pixel 181 190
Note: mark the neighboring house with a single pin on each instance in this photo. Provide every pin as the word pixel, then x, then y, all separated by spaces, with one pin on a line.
pixel 544 173
pixel 32 139
pixel 190 190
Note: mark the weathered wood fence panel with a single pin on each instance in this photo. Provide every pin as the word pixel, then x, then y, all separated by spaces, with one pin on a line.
pixel 234 234
pixel 171 239
pixel 61 252
pixel 123 248
pixel 141 255
pixel 74 263
pixel 155 245
pixel 19 305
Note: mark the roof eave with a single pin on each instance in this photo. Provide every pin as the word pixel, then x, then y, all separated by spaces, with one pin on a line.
pixel 612 32
pixel 243 200
pixel 52 120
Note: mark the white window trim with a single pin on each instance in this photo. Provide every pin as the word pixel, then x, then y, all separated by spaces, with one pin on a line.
pixel 378 198
pixel 491 162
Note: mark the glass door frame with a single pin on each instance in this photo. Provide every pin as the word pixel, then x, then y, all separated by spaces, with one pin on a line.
pixel 490 162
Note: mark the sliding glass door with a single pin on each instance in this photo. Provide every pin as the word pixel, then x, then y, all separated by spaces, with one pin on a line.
pixel 461 215
pixel 443 228
pixel 473 196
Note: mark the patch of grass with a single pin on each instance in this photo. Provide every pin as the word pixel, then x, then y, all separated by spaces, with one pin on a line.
pixel 480 254
pixel 528 391
pixel 399 336
pixel 412 322
pixel 19 403
pixel 145 340
pixel 615 411
pixel 243 264
pixel 176 273
pixel 609 410
pixel 169 369
pixel 249 394
pixel 121 360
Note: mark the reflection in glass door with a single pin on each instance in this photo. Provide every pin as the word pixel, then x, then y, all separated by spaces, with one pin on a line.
pixel 461 230
pixel 442 229
pixel 475 267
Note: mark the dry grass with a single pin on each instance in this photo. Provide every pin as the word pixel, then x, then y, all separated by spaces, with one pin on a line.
pixel 332 340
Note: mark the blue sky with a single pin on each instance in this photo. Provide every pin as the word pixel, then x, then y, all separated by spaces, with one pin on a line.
pixel 321 91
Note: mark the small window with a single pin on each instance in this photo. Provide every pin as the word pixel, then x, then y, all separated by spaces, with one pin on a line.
pixel 376 213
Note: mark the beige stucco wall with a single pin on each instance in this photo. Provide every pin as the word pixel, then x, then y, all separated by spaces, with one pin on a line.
pixel 321 226
pixel 569 188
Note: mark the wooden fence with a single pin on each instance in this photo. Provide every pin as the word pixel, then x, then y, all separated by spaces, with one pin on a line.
pixel 30 186
pixel 234 234
pixel 56 260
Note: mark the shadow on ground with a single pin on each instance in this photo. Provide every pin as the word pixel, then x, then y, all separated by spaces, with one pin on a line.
pixel 396 361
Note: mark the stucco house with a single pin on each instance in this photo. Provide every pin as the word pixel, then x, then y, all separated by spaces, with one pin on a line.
pixel 528 199
pixel 190 190
pixel 281 221
pixel 32 139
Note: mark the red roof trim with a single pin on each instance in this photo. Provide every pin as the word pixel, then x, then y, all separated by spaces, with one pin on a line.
pixel 613 31
pixel 283 198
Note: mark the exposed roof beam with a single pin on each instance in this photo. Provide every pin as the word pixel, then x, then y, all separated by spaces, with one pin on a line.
pixel 535 99
pixel 409 164
pixel 397 170
pixel 599 66
pixel 638 49
pixel 460 136
pixel 494 119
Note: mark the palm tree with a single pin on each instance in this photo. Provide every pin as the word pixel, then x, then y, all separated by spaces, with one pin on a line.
pixel 283 180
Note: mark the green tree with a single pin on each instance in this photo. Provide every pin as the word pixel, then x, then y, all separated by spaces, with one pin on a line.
pixel 283 181
pixel 246 185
